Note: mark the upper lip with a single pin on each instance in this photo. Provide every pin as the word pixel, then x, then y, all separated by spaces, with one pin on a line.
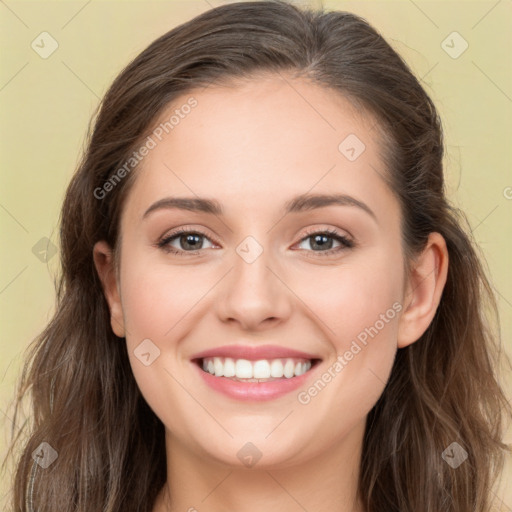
pixel 253 353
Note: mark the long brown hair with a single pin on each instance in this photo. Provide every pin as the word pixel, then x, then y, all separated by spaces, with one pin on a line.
pixel 443 389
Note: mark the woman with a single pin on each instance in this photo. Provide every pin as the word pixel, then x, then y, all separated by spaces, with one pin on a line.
pixel 266 298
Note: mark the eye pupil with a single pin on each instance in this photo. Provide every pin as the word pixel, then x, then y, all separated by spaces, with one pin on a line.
pixel 321 241
pixel 185 239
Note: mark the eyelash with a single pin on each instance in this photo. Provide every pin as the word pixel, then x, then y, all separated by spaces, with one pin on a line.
pixel 346 243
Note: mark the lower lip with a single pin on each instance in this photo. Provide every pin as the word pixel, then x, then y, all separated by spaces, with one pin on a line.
pixel 254 391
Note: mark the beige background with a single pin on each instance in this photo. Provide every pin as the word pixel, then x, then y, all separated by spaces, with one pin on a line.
pixel 46 105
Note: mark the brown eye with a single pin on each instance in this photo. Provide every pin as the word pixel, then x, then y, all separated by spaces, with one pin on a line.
pixel 322 241
pixel 188 241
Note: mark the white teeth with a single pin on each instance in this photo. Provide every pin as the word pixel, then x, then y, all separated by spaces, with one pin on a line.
pixel 229 367
pixel 243 369
pixel 276 368
pixel 289 368
pixel 301 368
pixel 261 369
pixel 217 366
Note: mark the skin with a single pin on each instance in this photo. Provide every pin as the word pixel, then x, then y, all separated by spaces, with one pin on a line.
pixel 237 145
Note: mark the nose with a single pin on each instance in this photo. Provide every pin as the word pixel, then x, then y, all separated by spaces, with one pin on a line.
pixel 253 294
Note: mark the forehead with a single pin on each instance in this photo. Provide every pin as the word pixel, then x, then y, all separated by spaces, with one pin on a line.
pixel 269 134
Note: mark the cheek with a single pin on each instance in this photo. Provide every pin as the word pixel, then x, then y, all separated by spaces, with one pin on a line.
pixel 359 308
pixel 356 295
pixel 155 298
pixel 156 301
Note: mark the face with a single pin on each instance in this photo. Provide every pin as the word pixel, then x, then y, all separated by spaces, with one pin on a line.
pixel 267 278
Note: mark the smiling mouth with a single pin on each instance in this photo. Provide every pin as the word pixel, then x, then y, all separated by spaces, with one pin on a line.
pixel 262 370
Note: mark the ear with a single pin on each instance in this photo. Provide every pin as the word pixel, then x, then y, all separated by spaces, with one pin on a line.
pixel 104 263
pixel 424 288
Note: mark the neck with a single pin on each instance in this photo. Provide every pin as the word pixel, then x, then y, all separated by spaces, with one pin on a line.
pixel 328 482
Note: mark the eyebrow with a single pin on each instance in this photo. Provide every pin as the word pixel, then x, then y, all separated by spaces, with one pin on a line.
pixel 297 204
